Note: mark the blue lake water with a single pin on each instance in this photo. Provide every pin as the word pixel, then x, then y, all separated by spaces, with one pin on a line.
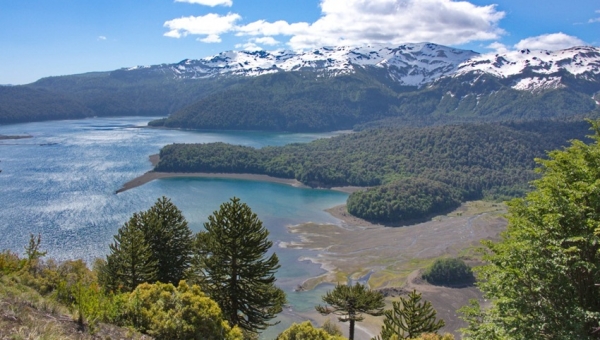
pixel 61 184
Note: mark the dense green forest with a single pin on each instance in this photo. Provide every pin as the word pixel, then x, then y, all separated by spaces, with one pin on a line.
pixel 413 172
pixel 21 104
pixel 292 101
pixel 297 101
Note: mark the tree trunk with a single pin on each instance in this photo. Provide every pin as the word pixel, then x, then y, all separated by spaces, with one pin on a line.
pixel 351 336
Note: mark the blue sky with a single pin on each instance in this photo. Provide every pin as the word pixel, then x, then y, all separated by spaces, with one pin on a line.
pixel 40 38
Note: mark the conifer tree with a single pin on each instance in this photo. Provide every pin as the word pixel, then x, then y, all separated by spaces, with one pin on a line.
pixel 238 274
pixel 350 302
pixel 409 318
pixel 154 245
pixel 170 240
pixel 130 260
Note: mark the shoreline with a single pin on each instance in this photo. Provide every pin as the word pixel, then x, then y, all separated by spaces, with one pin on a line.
pixel 153 175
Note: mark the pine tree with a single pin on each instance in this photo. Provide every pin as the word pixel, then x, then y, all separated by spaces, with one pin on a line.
pixel 350 302
pixel 238 274
pixel 130 260
pixel 170 240
pixel 409 318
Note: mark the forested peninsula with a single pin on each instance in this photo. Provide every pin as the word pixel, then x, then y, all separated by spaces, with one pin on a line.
pixel 411 173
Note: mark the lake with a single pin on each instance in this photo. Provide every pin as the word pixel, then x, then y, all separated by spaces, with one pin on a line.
pixel 61 184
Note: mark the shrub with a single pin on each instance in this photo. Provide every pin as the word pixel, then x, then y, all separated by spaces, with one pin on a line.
pixel 449 272
pixel 168 312
pixel 306 331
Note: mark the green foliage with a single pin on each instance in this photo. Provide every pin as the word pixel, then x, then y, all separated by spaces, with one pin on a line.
pixel 22 104
pixel 306 331
pixel 170 239
pixel 407 199
pixel 10 262
pixel 542 275
pixel 237 272
pixel 130 261
pixel 417 171
pixel 449 271
pixel 434 336
pixel 153 245
pixel 409 318
pixel 350 303
pixel 168 312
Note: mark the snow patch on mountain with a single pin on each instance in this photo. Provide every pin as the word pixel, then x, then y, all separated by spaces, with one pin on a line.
pixel 534 84
pixel 409 64
pixel 545 66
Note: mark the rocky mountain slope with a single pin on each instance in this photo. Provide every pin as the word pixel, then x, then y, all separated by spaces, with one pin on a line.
pixel 338 88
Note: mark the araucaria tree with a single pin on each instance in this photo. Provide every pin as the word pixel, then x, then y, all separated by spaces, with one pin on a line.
pixel 239 275
pixel 130 261
pixel 351 302
pixel 170 239
pixel 542 275
pixel 154 245
pixel 409 318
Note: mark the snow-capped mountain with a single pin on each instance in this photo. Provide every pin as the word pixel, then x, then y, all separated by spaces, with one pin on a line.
pixel 538 69
pixel 409 64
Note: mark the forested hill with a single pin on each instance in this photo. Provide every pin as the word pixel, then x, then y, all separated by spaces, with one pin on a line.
pixel 330 89
pixel 22 104
pixel 414 172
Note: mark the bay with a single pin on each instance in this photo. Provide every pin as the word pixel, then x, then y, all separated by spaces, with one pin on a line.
pixel 61 184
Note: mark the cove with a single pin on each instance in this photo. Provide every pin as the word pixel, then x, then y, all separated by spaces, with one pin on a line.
pixel 61 184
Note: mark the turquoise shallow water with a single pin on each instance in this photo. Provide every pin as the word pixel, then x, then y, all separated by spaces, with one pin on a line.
pixel 61 184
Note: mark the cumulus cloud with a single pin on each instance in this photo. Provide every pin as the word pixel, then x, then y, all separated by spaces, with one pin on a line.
pixel 551 42
pixel 359 22
pixel 101 38
pixel 211 25
pixel 211 3
pixel 250 46
pixel 497 47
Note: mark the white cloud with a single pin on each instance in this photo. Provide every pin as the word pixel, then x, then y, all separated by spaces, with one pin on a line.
pixel 102 38
pixel 211 3
pixel 357 22
pixel 250 46
pixel 591 21
pixel 270 41
pixel 551 42
pixel 212 25
pixel 497 47
pixel 211 38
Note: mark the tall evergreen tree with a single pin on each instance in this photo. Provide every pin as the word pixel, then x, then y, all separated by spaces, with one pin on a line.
pixel 130 260
pixel 154 245
pixel 238 274
pixel 409 318
pixel 170 240
pixel 351 302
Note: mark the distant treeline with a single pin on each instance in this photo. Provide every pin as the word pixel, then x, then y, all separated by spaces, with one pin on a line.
pixel 21 104
pixel 413 172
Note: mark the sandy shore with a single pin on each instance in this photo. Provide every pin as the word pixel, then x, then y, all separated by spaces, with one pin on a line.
pixel 153 175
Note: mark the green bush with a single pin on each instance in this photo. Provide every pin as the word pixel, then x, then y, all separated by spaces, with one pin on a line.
pixel 449 272
pixel 168 312
pixel 306 331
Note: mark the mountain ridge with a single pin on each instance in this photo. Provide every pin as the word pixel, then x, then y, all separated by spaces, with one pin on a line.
pixel 334 88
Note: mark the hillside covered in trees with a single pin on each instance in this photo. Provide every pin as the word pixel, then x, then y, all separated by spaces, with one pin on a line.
pixel 412 172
